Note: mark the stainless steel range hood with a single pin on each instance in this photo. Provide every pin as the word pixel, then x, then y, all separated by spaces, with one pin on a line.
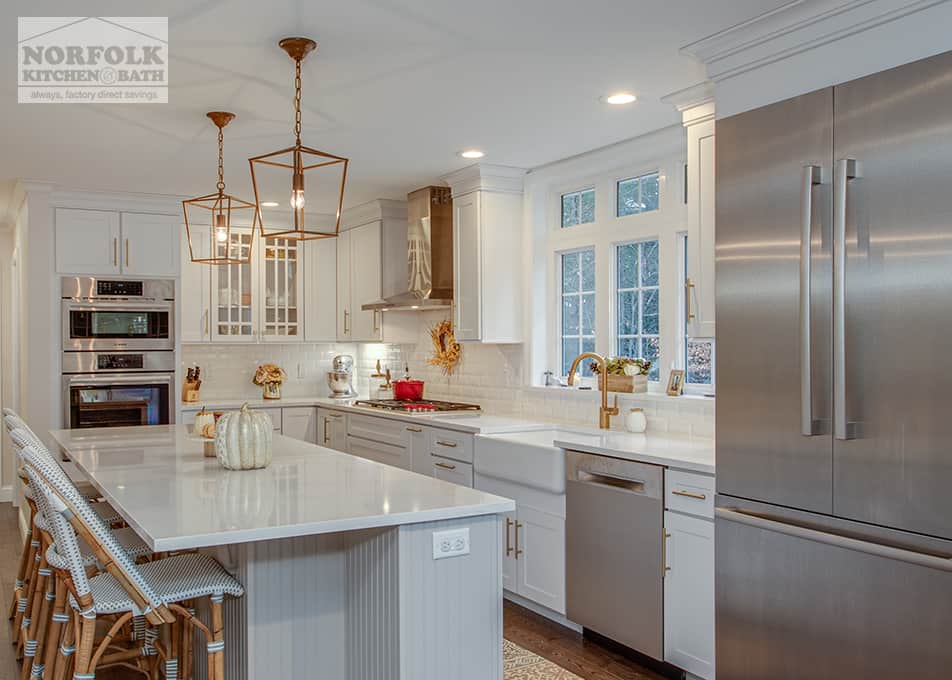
pixel 427 255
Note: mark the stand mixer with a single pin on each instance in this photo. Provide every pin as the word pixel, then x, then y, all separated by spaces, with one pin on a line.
pixel 340 377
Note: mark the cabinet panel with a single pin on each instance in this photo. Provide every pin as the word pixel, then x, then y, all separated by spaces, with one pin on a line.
pixel 320 291
pixel 332 429
pixel 234 318
pixel 700 265
pixel 689 492
pixel 689 594
pixel 87 242
pixel 452 471
pixel 365 281
pixel 344 296
pixel 450 444
pixel 419 452
pixel 540 548
pixel 300 423
pixel 150 245
pixel 466 267
pixel 194 296
pixel 281 291
pixel 376 429
pixel 510 568
pixel 398 456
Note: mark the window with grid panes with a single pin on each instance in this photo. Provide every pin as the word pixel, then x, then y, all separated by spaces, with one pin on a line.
pixel 637 329
pixel 577 307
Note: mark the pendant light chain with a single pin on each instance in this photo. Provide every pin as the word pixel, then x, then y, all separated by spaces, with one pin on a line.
pixel 221 162
pixel 297 102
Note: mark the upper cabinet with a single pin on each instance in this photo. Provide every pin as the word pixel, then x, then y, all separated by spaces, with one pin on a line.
pixel 360 274
pixel 194 296
pixel 697 113
pixel 487 253
pixel 109 243
pixel 320 290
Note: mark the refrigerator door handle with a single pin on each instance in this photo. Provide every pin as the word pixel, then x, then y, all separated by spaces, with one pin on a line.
pixel 758 521
pixel 810 176
pixel 846 169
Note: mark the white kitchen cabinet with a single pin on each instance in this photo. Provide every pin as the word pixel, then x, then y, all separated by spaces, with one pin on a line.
pixel 332 429
pixel 699 284
pixel 397 456
pixel 300 422
pixel 450 470
pixel 233 287
pixel 107 243
pixel 320 290
pixel 487 253
pixel 150 245
pixel 194 294
pixel 533 542
pixel 344 276
pixel 281 290
pixel 87 242
pixel 540 541
pixel 689 593
pixel 365 282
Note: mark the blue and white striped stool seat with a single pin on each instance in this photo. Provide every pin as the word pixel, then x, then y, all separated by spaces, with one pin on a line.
pixel 177 578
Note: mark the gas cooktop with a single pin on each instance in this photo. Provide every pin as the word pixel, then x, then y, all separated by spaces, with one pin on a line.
pixel 423 406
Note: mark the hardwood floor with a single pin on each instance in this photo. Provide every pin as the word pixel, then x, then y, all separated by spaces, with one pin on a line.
pixel 535 633
pixel 567 648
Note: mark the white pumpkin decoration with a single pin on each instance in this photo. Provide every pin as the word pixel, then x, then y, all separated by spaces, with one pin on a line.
pixel 243 439
pixel 203 418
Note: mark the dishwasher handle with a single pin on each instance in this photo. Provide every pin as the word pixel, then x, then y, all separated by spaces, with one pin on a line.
pixel 632 485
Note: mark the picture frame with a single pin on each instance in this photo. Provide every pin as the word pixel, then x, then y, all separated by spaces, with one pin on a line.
pixel 676 382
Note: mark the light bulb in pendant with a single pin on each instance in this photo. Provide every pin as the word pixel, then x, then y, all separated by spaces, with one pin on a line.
pixel 297 199
pixel 297 186
pixel 221 230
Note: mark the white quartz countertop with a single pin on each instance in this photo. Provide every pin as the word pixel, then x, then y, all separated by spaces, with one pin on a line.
pixel 176 499
pixel 460 421
pixel 676 451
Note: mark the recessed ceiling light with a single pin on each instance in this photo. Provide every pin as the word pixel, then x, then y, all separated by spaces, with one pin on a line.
pixel 620 98
pixel 269 204
pixel 472 153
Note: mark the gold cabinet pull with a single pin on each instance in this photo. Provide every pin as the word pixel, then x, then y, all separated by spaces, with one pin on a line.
pixel 326 422
pixel 509 524
pixel 451 445
pixel 414 429
pixel 346 329
pixel 445 466
pixel 115 252
pixel 516 533
pixel 688 290
pixel 127 252
pixel 376 325
pixel 689 494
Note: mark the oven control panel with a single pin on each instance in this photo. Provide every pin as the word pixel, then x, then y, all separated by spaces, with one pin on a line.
pixel 113 362
pixel 119 288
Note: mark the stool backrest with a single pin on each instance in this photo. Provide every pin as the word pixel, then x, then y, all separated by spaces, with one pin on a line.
pixel 93 530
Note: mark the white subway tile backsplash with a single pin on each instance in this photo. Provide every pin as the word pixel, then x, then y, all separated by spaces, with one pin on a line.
pixel 490 375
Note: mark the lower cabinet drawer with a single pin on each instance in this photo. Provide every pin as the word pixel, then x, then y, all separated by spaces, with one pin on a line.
pixel 689 492
pixel 452 470
pixel 450 444
pixel 377 429
pixel 398 456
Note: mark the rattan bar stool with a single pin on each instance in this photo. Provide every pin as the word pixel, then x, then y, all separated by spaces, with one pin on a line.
pixel 156 590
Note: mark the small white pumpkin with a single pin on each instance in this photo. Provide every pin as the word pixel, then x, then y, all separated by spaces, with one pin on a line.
pixel 243 439
pixel 203 418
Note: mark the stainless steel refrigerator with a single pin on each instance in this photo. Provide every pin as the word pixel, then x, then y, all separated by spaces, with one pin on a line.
pixel 834 395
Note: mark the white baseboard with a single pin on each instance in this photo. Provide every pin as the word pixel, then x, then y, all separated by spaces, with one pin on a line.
pixel 541 611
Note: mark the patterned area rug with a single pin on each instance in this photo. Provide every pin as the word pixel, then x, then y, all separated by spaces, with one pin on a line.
pixel 521 664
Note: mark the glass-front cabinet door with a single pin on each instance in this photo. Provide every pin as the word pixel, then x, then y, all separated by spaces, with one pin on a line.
pixel 233 297
pixel 282 289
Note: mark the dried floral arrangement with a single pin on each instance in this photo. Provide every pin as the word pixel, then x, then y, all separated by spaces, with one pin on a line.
pixel 269 374
pixel 446 351
pixel 624 366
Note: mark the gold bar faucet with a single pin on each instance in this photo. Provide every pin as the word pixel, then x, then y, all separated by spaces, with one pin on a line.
pixel 605 413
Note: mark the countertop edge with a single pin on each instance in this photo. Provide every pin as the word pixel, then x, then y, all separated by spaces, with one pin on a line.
pixel 666 461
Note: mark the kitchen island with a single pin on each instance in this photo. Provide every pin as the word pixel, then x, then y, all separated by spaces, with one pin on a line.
pixel 348 571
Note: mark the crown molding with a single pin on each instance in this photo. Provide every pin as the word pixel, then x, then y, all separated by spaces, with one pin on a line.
pixel 694 103
pixel 485 177
pixel 373 211
pixel 795 27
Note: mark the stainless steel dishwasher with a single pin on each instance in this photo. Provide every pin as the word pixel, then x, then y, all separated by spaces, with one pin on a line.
pixel 614 562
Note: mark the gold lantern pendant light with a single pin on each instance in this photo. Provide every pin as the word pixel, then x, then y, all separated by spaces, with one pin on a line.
pixel 305 220
pixel 218 209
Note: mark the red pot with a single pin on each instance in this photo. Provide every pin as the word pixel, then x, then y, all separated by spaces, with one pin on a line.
pixel 408 390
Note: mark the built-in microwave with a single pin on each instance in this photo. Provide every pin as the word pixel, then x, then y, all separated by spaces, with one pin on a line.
pixel 118 315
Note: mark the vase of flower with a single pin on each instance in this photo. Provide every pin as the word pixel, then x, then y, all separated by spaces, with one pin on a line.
pixel 270 377
pixel 624 374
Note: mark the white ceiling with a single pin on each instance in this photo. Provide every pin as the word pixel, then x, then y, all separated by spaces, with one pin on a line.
pixel 398 86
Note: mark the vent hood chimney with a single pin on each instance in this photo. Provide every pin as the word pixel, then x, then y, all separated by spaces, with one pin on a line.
pixel 426 255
